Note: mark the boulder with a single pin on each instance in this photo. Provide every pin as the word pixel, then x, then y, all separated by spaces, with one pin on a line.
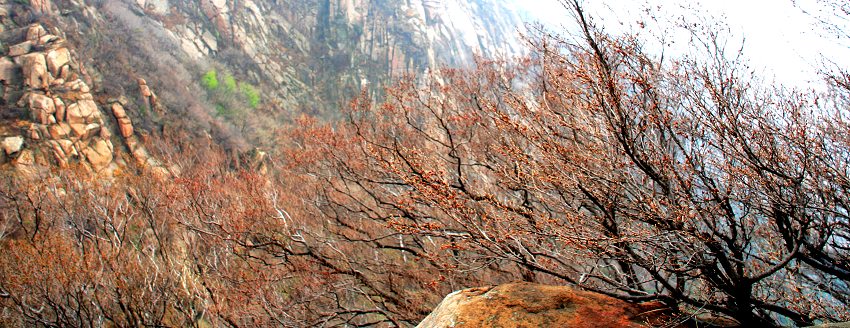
pixel 210 40
pixel 78 85
pixel 60 109
pixel 88 108
pixel 35 32
pixel 65 72
pixel 105 134
pixel 140 153
pixel 534 305
pixel 78 129
pixel 22 48
pixel 33 133
pixel 118 111
pixel 40 101
pixel 73 115
pixel 42 129
pixel 56 59
pixel 26 158
pixel 133 143
pixel 145 90
pixel 35 70
pixel 59 131
pixel 67 147
pixel 47 39
pixel 10 73
pixel 12 145
pixel 81 111
pixel 125 126
pixel 42 108
pixel 121 100
pixel 99 154
pixel 91 130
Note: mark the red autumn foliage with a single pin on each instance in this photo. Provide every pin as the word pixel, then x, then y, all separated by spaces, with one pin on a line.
pixel 591 163
pixel 595 164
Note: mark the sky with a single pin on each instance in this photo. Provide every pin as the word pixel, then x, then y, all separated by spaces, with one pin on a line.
pixel 781 38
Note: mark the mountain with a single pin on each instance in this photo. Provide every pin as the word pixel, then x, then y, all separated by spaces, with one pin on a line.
pixel 218 163
pixel 274 60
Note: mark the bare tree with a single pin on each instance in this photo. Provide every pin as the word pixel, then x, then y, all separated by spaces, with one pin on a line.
pixel 596 164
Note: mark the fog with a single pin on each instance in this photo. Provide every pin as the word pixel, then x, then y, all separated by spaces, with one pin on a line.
pixel 785 40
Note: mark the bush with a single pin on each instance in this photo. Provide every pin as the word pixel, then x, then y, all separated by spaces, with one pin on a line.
pixel 222 111
pixel 210 80
pixel 251 94
pixel 229 83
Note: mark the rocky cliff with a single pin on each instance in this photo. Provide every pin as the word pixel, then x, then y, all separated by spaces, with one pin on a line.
pixel 50 114
pixel 78 74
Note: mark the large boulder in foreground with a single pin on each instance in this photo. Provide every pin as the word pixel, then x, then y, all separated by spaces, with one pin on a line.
pixel 534 305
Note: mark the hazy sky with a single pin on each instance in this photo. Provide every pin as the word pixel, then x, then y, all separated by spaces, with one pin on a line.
pixel 780 39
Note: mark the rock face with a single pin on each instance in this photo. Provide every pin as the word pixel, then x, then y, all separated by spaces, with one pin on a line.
pixel 534 305
pixel 306 55
pixel 41 6
pixel 35 70
pixel 56 59
pixel 301 56
pixel 12 145
pixel 66 125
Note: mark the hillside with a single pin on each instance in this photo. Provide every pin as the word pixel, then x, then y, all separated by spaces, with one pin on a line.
pixel 276 60
pixel 347 163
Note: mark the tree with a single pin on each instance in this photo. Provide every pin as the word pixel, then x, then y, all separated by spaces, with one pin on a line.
pixel 591 162
pixel 597 164
pixel 215 246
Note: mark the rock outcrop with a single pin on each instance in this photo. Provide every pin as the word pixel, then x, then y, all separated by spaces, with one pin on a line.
pixel 64 124
pixel 299 57
pixel 534 305
pixel 307 55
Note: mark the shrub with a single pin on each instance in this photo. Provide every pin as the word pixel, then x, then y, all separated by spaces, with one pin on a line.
pixel 222 111
pixel 229 83
pixel 251 94
pixel 210 80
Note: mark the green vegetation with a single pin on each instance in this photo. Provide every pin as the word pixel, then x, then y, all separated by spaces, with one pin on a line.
pixel 232 98
pixel 222 111
pixel 229 82
pixel 210 80
pixel 251 94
